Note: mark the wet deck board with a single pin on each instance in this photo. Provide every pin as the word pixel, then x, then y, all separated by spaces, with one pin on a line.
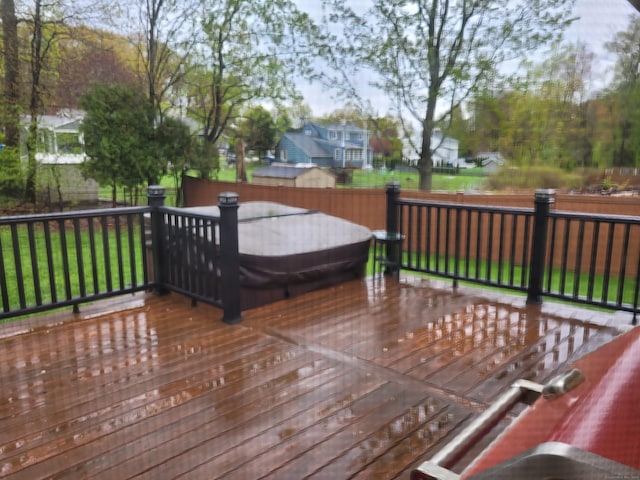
pixel 362 380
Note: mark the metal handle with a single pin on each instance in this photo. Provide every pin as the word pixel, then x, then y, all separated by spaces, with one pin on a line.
pixel 438 467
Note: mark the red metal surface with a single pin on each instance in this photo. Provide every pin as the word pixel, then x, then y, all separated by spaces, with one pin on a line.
pixel 599 416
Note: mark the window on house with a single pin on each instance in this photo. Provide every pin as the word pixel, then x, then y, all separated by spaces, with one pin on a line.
pixel 353 155
pixel 333 135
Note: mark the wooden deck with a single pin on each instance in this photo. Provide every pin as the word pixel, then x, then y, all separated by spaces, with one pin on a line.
pixel 364 380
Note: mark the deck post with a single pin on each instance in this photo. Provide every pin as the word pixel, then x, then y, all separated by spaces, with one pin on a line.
pixel 156 196
pixel 393 249
pixel 229 257
pixel 544 198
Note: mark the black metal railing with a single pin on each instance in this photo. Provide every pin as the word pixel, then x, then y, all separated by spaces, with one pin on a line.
pixel 593 259
pixel 67 259
pixel 63 259
pixel 588 259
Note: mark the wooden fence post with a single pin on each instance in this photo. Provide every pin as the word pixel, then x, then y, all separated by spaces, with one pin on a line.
pixel 229 257
pixel 543 200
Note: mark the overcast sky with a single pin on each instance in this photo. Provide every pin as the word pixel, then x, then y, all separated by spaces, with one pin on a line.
pixel 599 21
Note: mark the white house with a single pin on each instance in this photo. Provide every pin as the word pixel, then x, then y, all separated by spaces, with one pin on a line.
pixel 60 152
pixel 445 149
pixel 490 161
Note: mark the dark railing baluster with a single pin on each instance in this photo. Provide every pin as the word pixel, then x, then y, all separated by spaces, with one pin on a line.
pixel 17 260
pixel 594 257
pixel 636 294
pixel 106 252
pixel 478 246
pixel 119 255
pixel 578 261
pixel 65 259
pixel 467 251
pixel 438 251
pixel 79 257
pixel 489 247
pixel 447 239
pixel 33 253
pixel 92 254
pixel 4 290
pixel 565 256
pixel 429 221
pixel 623 264
pixel 143 242
pixel 608 260
pixel 456 254
pixel 552 252
pixel 512 251
pixel 501 243
pixel 133 277
pixel 527 250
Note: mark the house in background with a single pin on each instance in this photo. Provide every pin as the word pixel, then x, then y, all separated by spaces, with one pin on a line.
pixel 445 149
pixel 332 146
pixel 60 152
pixel 297 175
pixel 490 161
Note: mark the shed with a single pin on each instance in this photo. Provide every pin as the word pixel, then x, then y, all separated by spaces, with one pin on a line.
pixel 297 175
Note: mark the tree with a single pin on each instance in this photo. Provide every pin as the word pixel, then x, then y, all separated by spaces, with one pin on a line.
pixel 11 181
pixel 120 140
pixel 250 52
pixel 431 55
pixel 385 140
pixel 626 46
pixel 258 130
pixel 174 149
pixel 89 57
pixel 11 119
pixel 47 22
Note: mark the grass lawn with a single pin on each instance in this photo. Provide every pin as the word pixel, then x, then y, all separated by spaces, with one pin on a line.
pixel 20 270
pixel 470 179
pixel 507 274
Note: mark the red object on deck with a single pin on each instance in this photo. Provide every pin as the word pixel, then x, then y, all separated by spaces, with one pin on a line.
pixel 599 416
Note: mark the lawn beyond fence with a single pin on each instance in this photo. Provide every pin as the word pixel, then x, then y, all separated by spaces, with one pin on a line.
pixel 67 259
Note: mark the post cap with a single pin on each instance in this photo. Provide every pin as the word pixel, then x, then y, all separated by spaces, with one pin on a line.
pixel 227 199
pixel 546 195
pixel 393 186
pixel 155 191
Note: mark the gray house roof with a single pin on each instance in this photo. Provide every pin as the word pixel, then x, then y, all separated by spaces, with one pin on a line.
pixel 312 146
pixel 282 171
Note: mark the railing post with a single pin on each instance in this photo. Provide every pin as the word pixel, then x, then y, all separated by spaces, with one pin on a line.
pixel 156 196
pixel 229 257
pixel 393 249
pixel 543 200
pixel 393 193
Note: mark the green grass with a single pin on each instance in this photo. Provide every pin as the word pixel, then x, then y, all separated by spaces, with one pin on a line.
pixel 20 269
pixel 495 273
pixel 470 179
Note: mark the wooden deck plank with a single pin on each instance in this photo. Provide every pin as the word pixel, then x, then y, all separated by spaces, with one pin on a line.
pixel 359 380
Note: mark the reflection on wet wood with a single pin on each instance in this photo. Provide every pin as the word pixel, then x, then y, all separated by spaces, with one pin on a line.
pixel 364 379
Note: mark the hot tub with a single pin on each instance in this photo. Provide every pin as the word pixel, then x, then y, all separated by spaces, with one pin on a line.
pixel 285 251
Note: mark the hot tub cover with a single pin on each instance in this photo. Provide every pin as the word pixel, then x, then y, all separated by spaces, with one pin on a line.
pixel 287 250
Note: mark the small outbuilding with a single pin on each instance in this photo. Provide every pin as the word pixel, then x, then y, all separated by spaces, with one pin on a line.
pixel 302 175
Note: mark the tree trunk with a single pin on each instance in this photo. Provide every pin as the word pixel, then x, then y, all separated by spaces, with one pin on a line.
pixel 241 169
pixel 11 120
